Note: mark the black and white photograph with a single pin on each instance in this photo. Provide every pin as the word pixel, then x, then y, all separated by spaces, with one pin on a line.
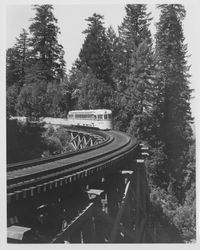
pixel 100 122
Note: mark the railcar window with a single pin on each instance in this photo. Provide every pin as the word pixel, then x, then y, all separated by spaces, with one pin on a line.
pixel 84 116
pixel 100 117
pixel 109 117
pixel 105 117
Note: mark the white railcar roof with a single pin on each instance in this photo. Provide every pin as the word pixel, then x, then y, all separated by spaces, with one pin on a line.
pixel 92 111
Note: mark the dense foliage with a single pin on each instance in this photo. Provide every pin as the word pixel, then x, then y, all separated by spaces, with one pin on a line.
pixel 174 106
pixel 36 69
pixel 17 60
pixel 24 141
pixel 56 141
pixel 145 84
pixel 27 141
pixel 172 165
pixel 46 51
pixel 95 54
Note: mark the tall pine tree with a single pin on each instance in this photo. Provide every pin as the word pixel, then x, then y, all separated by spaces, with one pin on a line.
pixel 133 31
pixel 174 100
pixel 94 64
pixel 46 68
pixel 95 54
pixel 135 70
pixel 22 47
pixel 17 60
pixel 46 53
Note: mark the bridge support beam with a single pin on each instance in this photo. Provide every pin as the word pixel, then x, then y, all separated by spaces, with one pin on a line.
pixel 80 140
pixel 113 187
pixel 115 229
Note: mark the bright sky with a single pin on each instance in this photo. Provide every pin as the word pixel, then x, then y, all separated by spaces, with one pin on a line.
pixel 71 20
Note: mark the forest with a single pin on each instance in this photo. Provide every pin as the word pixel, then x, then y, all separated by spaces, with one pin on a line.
pixel 145 81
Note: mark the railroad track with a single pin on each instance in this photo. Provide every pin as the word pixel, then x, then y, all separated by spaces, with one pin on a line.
pixel 116 146
pixel 30 163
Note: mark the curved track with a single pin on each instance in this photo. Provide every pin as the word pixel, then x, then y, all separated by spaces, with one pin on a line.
pixel 118 145
pixel 30 163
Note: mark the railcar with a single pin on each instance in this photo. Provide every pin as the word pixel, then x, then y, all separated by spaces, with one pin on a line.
pixel 97 118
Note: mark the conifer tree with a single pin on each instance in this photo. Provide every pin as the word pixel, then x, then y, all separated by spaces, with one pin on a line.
pixel 17 60
pixel 46 53
pixel 22 47
pixel 94 93
pixel 95 53
pixel 174 100
pixel 115 56
pixel 74 84
pixel 113 48
pixel 135 70
pixel 45 69
pixel 133 31
pixel 12 71
pixel 141 91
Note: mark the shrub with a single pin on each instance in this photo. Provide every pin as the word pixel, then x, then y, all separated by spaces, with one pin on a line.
pixel 180 216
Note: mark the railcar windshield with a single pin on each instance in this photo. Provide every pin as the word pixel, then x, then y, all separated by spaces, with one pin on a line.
pixel 107 117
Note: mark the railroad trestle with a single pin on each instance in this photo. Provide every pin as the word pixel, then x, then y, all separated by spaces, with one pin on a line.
pixel 99 196
pixel 115 214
